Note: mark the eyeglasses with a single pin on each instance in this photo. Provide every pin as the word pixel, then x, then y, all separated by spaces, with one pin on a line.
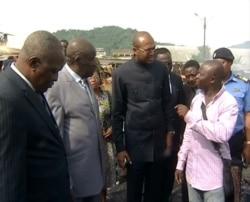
pixel 150 50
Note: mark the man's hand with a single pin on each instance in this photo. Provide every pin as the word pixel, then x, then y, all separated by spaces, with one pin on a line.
pixel 169 144
pixel 181 110
pixel 107 133
pixel 123 158
pixel 178 176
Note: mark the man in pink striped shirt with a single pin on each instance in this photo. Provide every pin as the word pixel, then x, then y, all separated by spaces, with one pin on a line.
pixel 203 162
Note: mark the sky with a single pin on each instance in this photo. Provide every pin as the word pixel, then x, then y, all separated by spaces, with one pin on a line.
pixel 169 21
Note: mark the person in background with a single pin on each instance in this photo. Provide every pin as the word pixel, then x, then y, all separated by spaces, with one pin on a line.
pixel 7 63
pixel 239 143
pixel 2 59
pixel 64 44
pixel 176 91
pixel 103 98
pixel 142 123
pixel 33 165
pixel 76 112
pixel 210 119
pixel 190 70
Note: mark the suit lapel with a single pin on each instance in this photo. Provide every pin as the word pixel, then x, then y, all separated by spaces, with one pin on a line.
pixel 82 94
pixel 38 106
pixel 34 100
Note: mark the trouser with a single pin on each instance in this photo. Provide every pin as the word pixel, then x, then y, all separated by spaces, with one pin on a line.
pixel 236 175
pixel 236 144
pixel 184 188
pixel 144 181
pixel 196 195
pixel 245 187
pixel 169 166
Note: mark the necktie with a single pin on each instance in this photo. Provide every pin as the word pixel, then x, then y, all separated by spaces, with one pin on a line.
pixel 46 106
pixel 84 85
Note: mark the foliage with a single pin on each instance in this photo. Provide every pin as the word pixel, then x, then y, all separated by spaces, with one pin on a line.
pixel 107 37
pixel 201 57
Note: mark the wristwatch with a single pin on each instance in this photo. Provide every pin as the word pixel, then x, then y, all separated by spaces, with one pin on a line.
pixel 172 132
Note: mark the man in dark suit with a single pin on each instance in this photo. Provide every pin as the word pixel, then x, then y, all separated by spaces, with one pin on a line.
pixel 176 90
pixel 142 104
pixel 33 166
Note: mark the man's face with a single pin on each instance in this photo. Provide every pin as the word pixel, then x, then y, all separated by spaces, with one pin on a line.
pixel 144 52
pixel 190 75
pixel 203 78
pixel 45 72
pixel 86 66
pixel 166 59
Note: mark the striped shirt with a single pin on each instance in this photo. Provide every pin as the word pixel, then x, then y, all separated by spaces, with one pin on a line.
pixel 203 162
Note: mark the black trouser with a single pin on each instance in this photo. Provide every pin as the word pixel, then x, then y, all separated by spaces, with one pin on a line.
pixel 169 166
pixel 236 144
pixel 144 181
pixel 184 189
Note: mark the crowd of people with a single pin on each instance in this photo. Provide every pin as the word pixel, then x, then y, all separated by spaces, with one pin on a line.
pixel 70 129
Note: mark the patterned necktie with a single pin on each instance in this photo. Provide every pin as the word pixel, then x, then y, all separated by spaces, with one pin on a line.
pixel 84 85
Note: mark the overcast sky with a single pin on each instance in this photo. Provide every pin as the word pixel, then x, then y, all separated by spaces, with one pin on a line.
pixel 171 21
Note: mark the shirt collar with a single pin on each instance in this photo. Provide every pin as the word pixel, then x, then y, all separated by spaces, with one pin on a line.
pixel 216 96
pixel 76 77
pixel 21 75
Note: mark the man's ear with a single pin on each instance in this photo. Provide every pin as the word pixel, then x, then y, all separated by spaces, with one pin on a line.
pixel 77 58
pixel 212 79
pixel 34 62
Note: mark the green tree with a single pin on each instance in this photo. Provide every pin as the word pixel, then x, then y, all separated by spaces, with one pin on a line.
pixel 201 56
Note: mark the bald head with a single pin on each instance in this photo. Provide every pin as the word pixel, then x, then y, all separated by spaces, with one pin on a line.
pixel 40 59
pixel 141 37
pixel 80 57
pixel 210 77
pixel 79 46
pixel 214 68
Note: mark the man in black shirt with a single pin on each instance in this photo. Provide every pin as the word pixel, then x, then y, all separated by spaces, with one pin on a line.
pixel 142 120
pixel 176 90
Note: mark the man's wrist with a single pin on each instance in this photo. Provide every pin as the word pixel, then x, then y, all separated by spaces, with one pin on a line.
pixel 173 132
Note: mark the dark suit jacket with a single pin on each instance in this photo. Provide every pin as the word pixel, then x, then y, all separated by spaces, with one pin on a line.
pixel 33 166
pixel 189 94
pixel 177 98
pixel 141 98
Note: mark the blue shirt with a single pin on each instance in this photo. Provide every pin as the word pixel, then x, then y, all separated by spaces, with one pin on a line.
pixel 241 91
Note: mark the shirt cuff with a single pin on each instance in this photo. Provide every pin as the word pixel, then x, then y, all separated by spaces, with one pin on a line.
pixel 180 165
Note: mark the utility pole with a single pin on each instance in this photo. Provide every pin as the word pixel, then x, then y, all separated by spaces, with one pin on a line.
pixel 204 34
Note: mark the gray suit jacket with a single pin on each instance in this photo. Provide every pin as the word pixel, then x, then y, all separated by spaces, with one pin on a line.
pixel 79 124
pixel 33 165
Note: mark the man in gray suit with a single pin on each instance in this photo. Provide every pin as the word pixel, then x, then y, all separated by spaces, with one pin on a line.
pixel 33 166
pixel 76 111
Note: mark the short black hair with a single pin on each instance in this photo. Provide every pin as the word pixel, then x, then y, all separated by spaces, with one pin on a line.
pixel 161 51
pixel 191 63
